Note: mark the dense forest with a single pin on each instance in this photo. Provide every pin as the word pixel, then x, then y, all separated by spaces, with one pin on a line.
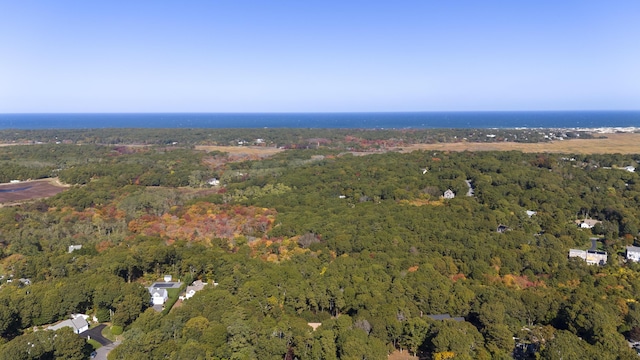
pixel 365 245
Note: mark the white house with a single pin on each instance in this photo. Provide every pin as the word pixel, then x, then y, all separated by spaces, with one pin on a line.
pixel 78 325
pixel 158 296
pixel 592 257
pixel 633 253
pixel 168 278
pixel 630 168
pixel 194 288
pixel 449 194
pixel 587 223
pixel 72 248
pixel 213 182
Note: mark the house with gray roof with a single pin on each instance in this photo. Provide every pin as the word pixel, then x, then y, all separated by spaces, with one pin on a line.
pixel 158 296
pixel 78 325
pixel 592 257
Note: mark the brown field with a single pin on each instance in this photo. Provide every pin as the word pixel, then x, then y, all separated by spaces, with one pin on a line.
pixel 404 355
pixel 623 143
pixel 11 194
pixel 245 150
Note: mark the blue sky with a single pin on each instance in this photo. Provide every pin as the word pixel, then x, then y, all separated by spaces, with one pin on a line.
pixel 310 56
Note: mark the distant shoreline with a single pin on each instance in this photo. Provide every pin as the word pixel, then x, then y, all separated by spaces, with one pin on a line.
pixel 381 121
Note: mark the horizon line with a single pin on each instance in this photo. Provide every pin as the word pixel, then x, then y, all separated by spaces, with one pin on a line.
pixel 312 112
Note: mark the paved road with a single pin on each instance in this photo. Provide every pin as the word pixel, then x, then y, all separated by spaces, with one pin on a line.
pixel 96 334
pixel 101 354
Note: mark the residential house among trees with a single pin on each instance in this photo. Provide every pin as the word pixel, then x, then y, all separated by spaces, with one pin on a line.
pixel 449 194
pixel 592 257
pixel 158 296
pixel 633 253
pixel 587 223
pixel 78 324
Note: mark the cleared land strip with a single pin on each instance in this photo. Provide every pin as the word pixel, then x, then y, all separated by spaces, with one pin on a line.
pixel 623 143
pixel 248 150
pixel 16 193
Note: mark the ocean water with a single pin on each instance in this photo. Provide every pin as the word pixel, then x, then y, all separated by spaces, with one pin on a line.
pixel 405 120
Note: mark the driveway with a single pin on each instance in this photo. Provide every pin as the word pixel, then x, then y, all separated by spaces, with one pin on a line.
pixel 101 354
pixel 594 243
pixel 96 334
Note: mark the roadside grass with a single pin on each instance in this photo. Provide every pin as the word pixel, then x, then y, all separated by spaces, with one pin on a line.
pixel 173 295
pixel 96 345
pixel 106 332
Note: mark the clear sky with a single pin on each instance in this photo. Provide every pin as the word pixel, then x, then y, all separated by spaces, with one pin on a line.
pixel 309 56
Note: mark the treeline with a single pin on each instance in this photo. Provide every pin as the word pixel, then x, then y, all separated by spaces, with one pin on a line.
pixel 292 137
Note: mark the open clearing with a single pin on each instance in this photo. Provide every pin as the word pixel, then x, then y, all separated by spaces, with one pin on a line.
pixel 237 150
pixel 15 193
pixel 404 355
pixel 623 143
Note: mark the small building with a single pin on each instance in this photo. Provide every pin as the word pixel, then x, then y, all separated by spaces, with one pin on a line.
pixel 633 253
pixel 592 257
pixel 79 325
pixel 449 194
pixel 502 229
pixel 630 168
pixel 158 296
pixel 194 288
pixel 530 213
pixel 73 248
pixel 213 182
pixel 587 223
pixel 168 278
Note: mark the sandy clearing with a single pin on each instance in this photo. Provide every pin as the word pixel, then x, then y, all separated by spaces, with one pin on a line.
pixel 623 143
pixel 17 193
pixel 247 150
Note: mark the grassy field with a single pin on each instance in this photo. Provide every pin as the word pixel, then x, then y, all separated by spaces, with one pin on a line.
pixel 623 143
